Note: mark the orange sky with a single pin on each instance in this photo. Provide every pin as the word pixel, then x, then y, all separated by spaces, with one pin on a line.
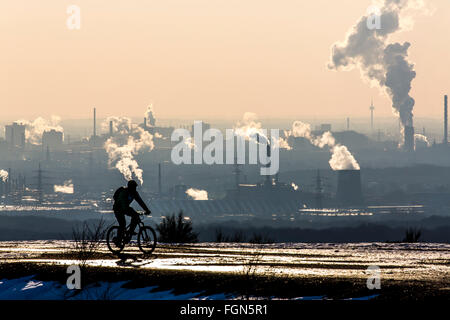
pixel 201 59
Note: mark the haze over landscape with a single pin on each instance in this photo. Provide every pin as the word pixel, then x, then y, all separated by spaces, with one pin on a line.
pixel 197 58
pixel 259 150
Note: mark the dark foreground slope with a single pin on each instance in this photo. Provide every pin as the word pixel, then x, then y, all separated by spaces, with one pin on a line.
pixel 238 286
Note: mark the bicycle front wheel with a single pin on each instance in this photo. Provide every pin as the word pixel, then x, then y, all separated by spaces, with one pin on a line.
pixel 115 244
pixel 147 239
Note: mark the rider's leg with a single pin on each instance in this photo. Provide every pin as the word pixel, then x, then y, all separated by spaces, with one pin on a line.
pixel 134 219
pixel 122 223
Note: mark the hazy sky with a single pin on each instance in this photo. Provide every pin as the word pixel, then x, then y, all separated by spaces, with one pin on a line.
pixel 201 59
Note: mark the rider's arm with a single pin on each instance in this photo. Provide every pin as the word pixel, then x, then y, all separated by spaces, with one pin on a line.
pixel 141 202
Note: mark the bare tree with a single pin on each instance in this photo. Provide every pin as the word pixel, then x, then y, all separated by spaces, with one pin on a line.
pixel 250 270
pixel 412 235
pixel 87 240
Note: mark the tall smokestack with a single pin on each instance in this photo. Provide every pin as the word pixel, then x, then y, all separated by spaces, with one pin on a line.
pixel 348 124
pixel 268 152
pixel 371 115
pixel 95 124
pixel 445 120
pixel 159 180
pixel 409 138
pixel 111 128
pixel 145 122
pixel 8 186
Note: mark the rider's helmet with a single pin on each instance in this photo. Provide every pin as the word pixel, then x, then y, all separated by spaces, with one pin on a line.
pixel 132 185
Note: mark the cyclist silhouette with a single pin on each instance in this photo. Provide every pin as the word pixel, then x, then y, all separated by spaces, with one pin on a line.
pixel 122 200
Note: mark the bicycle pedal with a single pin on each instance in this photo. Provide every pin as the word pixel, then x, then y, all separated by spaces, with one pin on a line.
pixel 116 241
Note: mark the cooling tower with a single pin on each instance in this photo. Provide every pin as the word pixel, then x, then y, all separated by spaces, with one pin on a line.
pixel 409 138
pixel 349 191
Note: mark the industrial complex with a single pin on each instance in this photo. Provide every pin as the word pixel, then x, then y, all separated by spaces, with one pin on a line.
pixel 57 170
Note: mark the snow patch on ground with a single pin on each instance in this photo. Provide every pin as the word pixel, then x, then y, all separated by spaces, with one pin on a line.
pixel 28 288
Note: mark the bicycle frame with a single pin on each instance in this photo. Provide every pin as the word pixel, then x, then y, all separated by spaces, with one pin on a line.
pixel 140 224
pixel 149 233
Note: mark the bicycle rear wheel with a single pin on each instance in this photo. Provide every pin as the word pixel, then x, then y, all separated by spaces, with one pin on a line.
pixel 146 239
pixel 111 235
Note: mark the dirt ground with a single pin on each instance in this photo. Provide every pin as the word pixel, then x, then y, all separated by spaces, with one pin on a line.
pixel 282 271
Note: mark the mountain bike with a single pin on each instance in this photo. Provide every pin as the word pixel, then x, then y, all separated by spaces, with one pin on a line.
pixel 146 238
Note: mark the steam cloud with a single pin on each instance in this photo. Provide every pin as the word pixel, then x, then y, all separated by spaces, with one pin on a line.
pixel 341 158
pixel 197 194
pixel 249 127
pixel 380 62
pixel 3 175
pixel 150 115
pixel 120 125
pixel 421 137
pixel 35 129
pixel 67 187
pixel 128 142
pixel 294 186
pixel 190 143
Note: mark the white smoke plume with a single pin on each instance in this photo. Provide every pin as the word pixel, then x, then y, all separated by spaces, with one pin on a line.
pixel 294 186
pixel 120 125
pixel 190 143
pixel 128 141
pixel 150 115
pixel 67 187
pixel 421 137
pixel 250 128
pixel 380 62
pixel 3 175
pixel 341 158
pixel 34 129
pixel 283 144
pixel 197 194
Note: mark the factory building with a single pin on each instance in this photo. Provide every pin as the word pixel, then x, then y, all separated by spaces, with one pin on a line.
pixel 15 135
pixel 320 129
pixel 52 140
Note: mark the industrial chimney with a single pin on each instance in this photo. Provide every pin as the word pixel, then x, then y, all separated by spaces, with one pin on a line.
pixel 371 115
pixel 111 132
pixel 145 123
pixel 159 180
pixel 95 123
pixel 445 120
pixel 268 152
pixel 349 192
pixel 409 138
